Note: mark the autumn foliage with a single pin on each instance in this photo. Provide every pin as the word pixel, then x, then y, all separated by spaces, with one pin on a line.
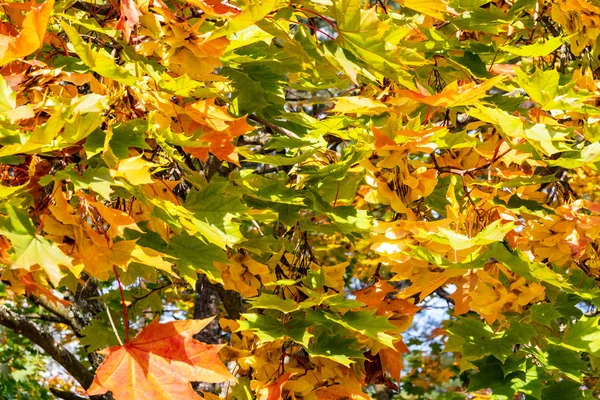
pixel 305 200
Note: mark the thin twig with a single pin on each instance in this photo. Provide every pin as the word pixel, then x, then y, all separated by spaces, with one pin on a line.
pixel 273 127
pixel 110 319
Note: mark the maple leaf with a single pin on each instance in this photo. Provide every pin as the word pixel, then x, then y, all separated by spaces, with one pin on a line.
pixel 40 251
pixel 273 390
pixel 130 16
pixel 159 363
pixel 391 359
pixel 383 144
pixel 454 95
pixel 432 8
pixel 215 8
pixel 135 169
pixel 30 37
pixel 219 128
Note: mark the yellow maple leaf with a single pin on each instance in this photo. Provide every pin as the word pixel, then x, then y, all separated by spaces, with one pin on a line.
pixel 135 169
pixel 432 8
pixel 454 95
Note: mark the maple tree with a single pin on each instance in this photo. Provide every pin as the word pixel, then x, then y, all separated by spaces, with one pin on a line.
pixel 318 176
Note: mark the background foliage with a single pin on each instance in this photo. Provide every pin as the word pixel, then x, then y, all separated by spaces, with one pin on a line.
pixel 316 173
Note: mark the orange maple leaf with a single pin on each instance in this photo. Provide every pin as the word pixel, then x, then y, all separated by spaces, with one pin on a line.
pixel 391 359
pixel 273 390
pixel 130 16
pixel 159 363
pixel 30 37
pixel 219 129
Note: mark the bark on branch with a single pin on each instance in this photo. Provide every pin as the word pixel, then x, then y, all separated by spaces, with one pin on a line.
pixel 54 349
pixel 275 128
pixel 63 394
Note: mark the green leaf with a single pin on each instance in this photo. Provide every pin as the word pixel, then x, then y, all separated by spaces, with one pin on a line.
pixel 336 348
pixel 583 336
pixel 273 302
pixel 214 212
pixel 129 134
pixel 99 335
pixel 40 251
pixel 98 180
pixel 491 376
pixel 567 361
pixel 544 313
pixel 541 49
pixel 367 324
pixel 562 390
pixel 475 339
pixel 193 255
pixel 269 329
pixel 541 86
pixel 98 61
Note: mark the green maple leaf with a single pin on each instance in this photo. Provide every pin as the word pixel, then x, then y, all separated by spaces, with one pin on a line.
pixel 336 348
pixel 491 376
pixel 273 302
pixel 544 313
pixel 99 335
pixel 214 211
pixel 583 336
pixel 564 389
pixel 98 61
pixel 269 329
pixel 193 256
pixel 366 323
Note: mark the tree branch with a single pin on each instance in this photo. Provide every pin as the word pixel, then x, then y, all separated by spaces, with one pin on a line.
pixel 63 394
pixel 39 336
pixel 62 313
pixel 48 318
pixel 273 127
pixel 444 295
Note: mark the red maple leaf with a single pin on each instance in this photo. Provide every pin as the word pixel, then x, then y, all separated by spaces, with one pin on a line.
pixel 159 363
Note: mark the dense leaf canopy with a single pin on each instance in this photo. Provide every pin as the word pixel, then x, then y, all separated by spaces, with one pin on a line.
pixel 324 177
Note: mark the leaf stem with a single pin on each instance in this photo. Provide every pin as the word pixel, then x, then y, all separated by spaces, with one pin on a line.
pixel 125 317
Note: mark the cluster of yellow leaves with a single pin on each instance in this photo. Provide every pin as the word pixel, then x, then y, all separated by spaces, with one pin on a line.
pixel 305 378
pixel 484 292
pixel 579 18
pixel 393 242
pixel 244 275
pixel 397 181
pixel 567 238
pixel 203 127
pixel 585 180
pixel 93 246
pixel 281 366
